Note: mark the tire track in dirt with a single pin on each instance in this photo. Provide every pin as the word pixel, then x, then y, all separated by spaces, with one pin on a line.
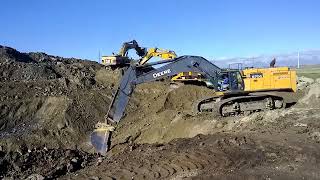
pixel 179 159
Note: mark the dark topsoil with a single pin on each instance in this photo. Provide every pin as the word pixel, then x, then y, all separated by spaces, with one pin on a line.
pixel 48 104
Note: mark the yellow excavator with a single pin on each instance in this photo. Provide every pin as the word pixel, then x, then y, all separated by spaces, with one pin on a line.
pixel 121 59
pixel 235 92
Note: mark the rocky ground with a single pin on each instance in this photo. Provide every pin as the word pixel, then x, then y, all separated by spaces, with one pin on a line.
pixel 49 105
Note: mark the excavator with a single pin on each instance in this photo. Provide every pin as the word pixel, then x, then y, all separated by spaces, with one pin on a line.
pixel 121 59
pixel 234 92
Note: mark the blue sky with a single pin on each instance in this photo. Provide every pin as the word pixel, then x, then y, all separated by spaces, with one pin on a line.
pixel 210 28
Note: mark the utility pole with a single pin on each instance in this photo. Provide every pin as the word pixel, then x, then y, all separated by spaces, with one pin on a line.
pixel 298 59
pixel 99 56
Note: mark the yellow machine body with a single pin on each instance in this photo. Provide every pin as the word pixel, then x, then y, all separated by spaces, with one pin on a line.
pixel 256 79
pixel 270 79
pixel 114 60
pixel 188 76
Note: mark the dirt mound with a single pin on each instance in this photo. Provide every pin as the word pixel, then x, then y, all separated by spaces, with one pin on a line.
pixel 159 112
pixel 312 97
pixel 49 100
pixel 8 54
pixel 304 82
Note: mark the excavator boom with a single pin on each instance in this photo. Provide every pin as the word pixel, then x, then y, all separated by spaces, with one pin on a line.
pixel 135 75
pixel 157 52
pixel 131 45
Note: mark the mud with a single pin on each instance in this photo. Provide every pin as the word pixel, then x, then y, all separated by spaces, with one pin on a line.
pixel 49 105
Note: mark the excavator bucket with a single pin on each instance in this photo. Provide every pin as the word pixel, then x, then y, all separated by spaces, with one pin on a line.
pixel 101 136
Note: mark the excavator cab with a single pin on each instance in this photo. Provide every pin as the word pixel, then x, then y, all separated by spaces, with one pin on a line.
pixel 230 80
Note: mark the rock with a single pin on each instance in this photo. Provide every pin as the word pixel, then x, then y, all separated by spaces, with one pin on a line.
pixel 35 177
pixel 70 167
pixel 304 82
pixel 16 167
pixel 8 178
pixel 94 178
pixel 315 136
pixel 74 160
pixel 305 79
pixel 300 125
pixel 99 161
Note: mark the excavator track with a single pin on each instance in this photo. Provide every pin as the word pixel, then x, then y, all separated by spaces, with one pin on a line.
pixel 241 105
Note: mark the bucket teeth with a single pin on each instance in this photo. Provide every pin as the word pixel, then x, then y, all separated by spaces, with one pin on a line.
pixel 104 126
pixel 101 137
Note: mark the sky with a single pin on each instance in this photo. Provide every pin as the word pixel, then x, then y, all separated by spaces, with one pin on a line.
pixel 210 28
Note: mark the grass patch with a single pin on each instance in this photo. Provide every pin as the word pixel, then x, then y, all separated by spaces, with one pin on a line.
pixel 310 72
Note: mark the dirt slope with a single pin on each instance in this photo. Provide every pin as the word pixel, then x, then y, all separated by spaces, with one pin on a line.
pixel 48 100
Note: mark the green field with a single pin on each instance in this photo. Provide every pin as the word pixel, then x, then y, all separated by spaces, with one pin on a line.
pixel 309 71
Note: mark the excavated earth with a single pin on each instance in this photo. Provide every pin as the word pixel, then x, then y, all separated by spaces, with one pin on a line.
pixel 49 105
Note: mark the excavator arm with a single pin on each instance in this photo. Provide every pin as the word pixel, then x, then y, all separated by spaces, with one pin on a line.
pixel 121 59
pixel 157 52
pixel 131 45
pixel 134 75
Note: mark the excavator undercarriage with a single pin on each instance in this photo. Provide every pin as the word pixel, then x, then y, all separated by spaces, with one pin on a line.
pixel 242 104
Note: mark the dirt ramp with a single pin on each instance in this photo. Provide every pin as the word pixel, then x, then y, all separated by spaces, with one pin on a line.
pixel 158 112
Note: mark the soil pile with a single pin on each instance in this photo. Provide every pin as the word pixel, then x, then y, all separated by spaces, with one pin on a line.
pixel 159 112
pixel 312 98
pixel 49 100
